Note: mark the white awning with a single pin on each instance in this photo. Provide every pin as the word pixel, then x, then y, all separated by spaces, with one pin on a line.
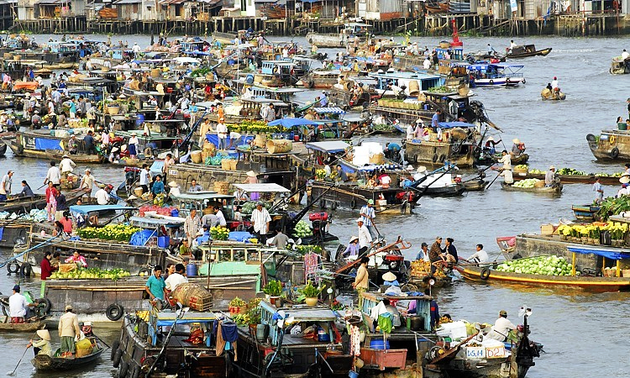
pixel 262 188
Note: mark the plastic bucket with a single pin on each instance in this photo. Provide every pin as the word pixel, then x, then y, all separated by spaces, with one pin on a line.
pixel 163 241
pixel 191 270
pixel 174 213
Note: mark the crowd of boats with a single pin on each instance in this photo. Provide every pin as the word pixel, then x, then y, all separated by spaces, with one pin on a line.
pixel 233 162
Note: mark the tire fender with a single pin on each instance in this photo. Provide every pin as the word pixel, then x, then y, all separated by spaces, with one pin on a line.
pixel 148 151
pixel 442 158
pixel 47 305
pixel 115 346
pixel 114 312
pixel 612 140
pixel 13 267
pixel 485 274
pixel 116 358
pixel 614 153
pixel 491 82
pixel 353 203
pixel 435 158
pixel 122 370
pixel 26 269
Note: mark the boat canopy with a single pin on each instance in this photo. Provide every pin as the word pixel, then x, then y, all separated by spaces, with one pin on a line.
pixel 202 196
pixel 451 125
pixel 332 146
pixel 85 209
pixel 303 314
pixel 607 253
pixel 148 222
pixel 262 188
pixel 292 122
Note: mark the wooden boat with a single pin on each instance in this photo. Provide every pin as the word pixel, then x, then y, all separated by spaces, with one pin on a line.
pixel 38 201
pixel 597 284
pixel 619 66
pixel 570 179
pixel 475 185
pixel 493 159
pixel 585 212
pixel 553 95
pixel 320 79
pixel 611 145
pixel 3 148
pixel 347 34
pixel 543 190
pixel 47 363
pixel 526 51
pixel 22 327
pixel 457 150
pixel 313 358
pixel 40 144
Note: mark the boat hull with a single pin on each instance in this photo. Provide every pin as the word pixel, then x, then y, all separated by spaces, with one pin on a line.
pixel 595 284
pixel 542 190
pixel 570 179
pixel 612 145
pixel 57 155
pixel 46 363
pixel 526 54
pixel 22 327
pixel 434 153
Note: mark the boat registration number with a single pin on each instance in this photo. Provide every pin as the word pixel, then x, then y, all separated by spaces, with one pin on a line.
pixel 495 352
pixel 475 352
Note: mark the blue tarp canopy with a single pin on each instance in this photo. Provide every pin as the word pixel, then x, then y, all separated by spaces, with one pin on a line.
pixel 47 144
pixel 84 209
pixel 292 122
pixel 450 125
pixel 607 253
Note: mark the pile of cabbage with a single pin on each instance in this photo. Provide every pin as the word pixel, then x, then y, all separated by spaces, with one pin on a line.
pixel 544 265
pixel 34 215
pixel 529 183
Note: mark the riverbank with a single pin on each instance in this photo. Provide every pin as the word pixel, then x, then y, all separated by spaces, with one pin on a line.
pixel 570 25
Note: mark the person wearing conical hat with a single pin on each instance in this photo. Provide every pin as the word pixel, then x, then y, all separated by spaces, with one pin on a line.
pixel 42 346
pixel 517 148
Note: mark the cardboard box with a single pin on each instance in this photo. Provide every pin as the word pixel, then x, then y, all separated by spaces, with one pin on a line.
pixel 547 229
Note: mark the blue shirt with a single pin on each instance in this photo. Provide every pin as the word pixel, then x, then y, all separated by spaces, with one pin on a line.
pixel 158 187
pixel 369 212
pixel 435 119
pixel 156 286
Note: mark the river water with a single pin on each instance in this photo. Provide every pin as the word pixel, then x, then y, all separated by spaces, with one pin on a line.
pixel 583 334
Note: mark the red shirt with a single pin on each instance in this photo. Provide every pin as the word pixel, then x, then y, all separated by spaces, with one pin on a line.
pixel 46 268
pixel 67 224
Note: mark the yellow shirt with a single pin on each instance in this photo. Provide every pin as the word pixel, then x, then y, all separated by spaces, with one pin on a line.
pixel 44 347
pixel 362 280
pixel 69 325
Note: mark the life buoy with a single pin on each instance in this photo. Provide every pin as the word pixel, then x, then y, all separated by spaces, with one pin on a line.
pixel 612 140
pixel 442 158
pixel 415 158
pixel 435 158
pixel 353 203
pixel 114 312
pixel 148 151
pixel 491 82
pixel 485 273
pixel 455 148
pixel 26 269
pixel 13 267
pixel 614 153
pixel 249 79
pixel 310 84
pixel 393 265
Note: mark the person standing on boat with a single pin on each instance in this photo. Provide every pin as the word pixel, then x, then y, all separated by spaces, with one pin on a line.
pixel 66 165
pixel 501 328
pixel 53 175
pixel 222 134
pixel 87 182
pixel 5 186
pixel 46 266
pixel 554 83
pixel 132 145
pixel 506 170
pixel 435 120
pixel 365 238
pixel 625 54
pixel 156 287
pixel 168 163
pixel 191 226
pixel 362 280
pixel 68 330
pixel 18 306
pixel 367 215
pixel 177 278
pixel 42 346
pixel 260 220
pixel 550 176
pixel 51 202
pixel 599 190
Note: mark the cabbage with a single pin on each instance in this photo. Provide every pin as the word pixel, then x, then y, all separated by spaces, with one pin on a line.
pixel 543 265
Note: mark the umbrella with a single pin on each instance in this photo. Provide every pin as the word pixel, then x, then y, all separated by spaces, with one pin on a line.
pixel 292 122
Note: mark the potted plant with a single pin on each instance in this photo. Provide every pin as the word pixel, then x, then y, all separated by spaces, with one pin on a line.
pixel 273 289
pixel 311 293
pixel 237 306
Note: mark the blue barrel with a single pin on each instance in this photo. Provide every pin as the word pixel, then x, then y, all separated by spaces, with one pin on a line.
pixel 140 119
pixel 191 270
pixel 250 80
pixel 174 213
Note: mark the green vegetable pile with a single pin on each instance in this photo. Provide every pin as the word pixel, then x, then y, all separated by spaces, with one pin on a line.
pixel 248 207
pixel 613 206
pixel 302 229
pixel 571 172
pixel 545 265
pixel 529 183
pixel 537 172
pixel 119 232
pixel 201 72
pixel 219 233
pixel 603 174
pixel 91 273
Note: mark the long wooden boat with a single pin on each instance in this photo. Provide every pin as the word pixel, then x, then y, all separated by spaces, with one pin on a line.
pixel 489 160
pixel 570 179
pixel 527 51
pixel 47 363
pixel 597 284
pixel 3 149
pixel 38 201
pixel 543 190
pixel 42 145
pixel 22 327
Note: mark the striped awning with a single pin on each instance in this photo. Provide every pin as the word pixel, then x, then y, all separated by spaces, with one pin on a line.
pixel 329 110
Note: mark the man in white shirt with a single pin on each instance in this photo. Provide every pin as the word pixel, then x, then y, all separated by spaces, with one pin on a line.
pixel 177 278
pixel 145 178
pixel 102 195
pixel 222 133
pixel 625 55
pixel 506 160
pixel 480 256
pixel 66 166
pixel 501 327
pixel 220 217
pixel 5 186
pixel 260 219
pixel 554 83
pixel 17 306
pixel 53 174
pixel 87 181
pixel 365 239
pixel 368 214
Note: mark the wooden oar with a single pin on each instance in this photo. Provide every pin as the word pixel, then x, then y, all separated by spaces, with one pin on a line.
pixel 19 362
pixel 493 180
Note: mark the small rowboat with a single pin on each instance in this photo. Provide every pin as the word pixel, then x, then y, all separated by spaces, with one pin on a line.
pixel 22 327
pixel 595 284
pixel 543 190
pixel 47 363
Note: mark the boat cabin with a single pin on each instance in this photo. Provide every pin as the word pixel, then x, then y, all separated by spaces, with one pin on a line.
pixel 277 67
pixel 495 74
pixel 456 146
pixel 357 29
pixel 251 107
pixel 412 82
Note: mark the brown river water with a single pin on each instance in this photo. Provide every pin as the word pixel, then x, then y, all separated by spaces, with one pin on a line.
pixel 583 333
